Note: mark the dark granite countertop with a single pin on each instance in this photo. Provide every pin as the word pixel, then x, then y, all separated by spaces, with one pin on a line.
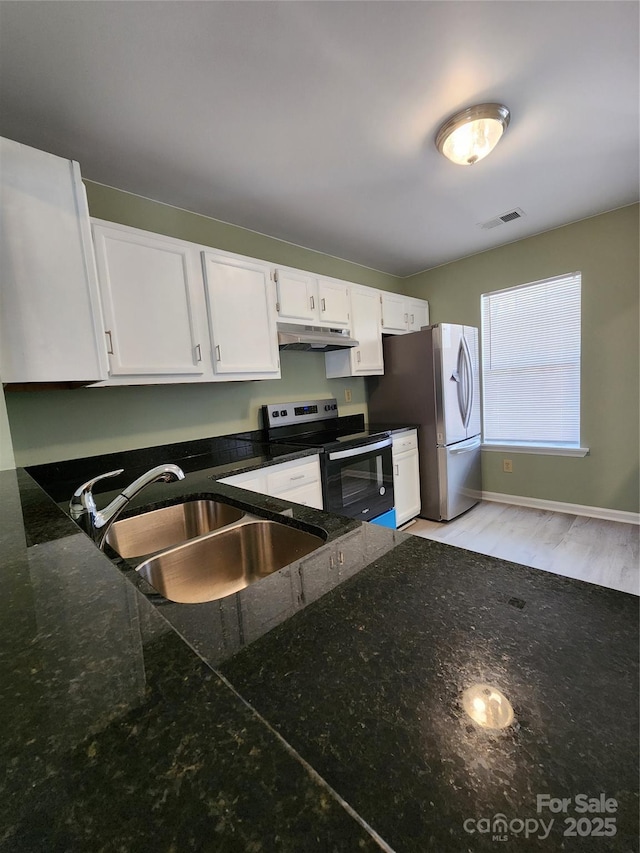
pixel 322 710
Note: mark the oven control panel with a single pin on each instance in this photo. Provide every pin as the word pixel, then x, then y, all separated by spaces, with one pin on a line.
pixel 284 414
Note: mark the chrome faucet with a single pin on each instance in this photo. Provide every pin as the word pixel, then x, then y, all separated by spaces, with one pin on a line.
pixel 96 523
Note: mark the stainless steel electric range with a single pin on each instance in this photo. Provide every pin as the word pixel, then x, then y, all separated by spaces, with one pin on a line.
pixel 356 462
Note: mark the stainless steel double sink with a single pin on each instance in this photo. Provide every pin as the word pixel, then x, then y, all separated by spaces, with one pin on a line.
pixel 203 550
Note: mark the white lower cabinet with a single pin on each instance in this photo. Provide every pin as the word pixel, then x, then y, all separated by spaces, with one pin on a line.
pixel 297 481
pixel 252 481
pixel 406 476
pixel 242 319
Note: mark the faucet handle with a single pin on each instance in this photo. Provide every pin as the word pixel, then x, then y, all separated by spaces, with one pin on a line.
pixel 88 486
pixel 83 496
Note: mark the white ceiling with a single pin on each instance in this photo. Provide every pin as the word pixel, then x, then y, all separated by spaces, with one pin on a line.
pixel 314 121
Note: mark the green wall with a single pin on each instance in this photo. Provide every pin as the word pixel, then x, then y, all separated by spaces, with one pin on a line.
pixel 47 426
pixel 605 249
pixel 138 212
pixel 53 425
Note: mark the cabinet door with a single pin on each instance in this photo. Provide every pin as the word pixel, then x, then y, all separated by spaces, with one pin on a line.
pixel 242 319
pixel 418 311
pixel 50 318
pixel 406 486
pixel 366 322
pixel 333 297
pixel 148 287
pixel 297 297
pixel 395 316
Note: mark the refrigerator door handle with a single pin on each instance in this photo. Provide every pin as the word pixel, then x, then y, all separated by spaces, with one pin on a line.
pixel 468 368
pixel 459 376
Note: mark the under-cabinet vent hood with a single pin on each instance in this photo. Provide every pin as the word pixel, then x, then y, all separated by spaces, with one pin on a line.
pixel 313 338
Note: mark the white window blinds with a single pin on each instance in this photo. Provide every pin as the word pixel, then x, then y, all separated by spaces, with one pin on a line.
pixel 531 363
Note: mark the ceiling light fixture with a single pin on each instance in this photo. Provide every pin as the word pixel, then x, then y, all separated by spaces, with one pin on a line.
pixel 471 134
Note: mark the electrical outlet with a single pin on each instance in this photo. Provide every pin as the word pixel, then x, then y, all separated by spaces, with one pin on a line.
pixel 347 395
pixel 507 466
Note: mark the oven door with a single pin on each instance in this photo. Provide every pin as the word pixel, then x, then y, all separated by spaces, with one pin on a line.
pixel 358 481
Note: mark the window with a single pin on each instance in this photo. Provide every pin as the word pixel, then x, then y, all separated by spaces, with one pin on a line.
pixel 531 364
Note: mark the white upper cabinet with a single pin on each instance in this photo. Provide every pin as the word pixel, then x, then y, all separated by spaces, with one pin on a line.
pixel 418 313
pixel 242 318
pixel 395 317
pixel 333 299
pixel 366 358
pixel 401 314
pixel 152 302
pixel 50 322
pixel 297 296
pixel 304 299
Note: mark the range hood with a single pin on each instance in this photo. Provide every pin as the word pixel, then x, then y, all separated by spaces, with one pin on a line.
pixel 313 338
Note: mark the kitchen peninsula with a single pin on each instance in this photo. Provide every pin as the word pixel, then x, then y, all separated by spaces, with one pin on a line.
pixel 324 712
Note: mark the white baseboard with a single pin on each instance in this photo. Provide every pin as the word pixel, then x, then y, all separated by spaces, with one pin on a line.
pixel 559 506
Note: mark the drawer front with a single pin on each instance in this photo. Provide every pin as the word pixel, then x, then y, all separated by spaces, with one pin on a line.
pixel 253 481
pixel 401 442
pixel 291 475
pixel 309 495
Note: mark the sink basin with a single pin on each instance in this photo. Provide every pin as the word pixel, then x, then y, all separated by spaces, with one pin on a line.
pixel 163 528
pixel 226 562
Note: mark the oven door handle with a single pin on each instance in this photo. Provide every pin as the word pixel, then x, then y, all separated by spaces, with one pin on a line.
pixel 360 450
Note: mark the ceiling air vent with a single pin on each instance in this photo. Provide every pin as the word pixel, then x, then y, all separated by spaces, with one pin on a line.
pixel 511 216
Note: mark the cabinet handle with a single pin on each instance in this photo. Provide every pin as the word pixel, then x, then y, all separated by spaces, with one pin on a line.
pixel 358 356
pixel 412 318
pixel 297 477
pixel 341 558
pixel 397 470
pixel 218 353
pixel 406 318
pixel 198 353
pixel 110 347
pixel 323 304
pixel 312 302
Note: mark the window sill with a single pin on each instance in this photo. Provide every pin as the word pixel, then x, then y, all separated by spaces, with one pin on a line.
pixel 538 449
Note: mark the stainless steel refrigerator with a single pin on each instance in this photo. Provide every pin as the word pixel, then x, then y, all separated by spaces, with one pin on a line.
pixel 431 380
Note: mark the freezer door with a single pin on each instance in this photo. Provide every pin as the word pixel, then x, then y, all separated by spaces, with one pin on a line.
pixel 450 355
pixel 459 477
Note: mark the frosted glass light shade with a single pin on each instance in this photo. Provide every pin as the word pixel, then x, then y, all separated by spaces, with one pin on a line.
pixel 470 135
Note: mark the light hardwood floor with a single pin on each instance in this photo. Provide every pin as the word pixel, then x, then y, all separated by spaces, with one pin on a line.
pixel 590 549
